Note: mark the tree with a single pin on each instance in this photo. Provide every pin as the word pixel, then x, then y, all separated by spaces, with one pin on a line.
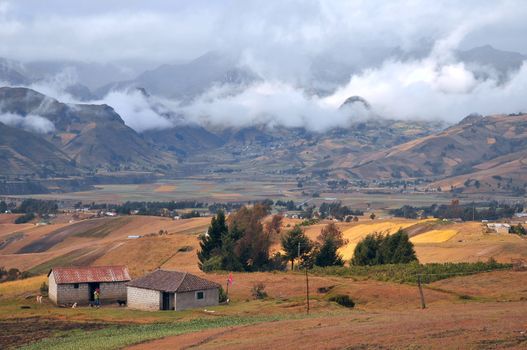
pixel 211 242
pixel 397 249
pixel 330 240
pixel 274 226
pixel 252 247
pixel 291 241
pixel 367 251
pixel 518 229
pixel 377 249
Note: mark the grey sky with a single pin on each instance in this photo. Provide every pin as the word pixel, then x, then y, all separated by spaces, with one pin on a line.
pixel 166 31
pixel 282 41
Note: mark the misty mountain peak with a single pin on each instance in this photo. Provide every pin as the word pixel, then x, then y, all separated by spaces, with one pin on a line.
pixel 356 100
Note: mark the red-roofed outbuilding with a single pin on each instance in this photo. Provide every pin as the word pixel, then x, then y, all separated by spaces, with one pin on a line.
pixel 68 285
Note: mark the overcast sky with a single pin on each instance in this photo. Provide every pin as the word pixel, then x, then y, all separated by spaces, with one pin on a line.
pixel 164 31
pixel 280 41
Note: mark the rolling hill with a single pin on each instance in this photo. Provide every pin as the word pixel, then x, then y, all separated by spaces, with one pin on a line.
pixel 476 148
pixel 92 136
pixel 23 153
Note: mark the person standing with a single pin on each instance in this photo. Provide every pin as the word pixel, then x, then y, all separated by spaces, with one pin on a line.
pixel 97 297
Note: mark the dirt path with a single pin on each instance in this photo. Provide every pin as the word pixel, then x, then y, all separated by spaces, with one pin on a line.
pixel 454 326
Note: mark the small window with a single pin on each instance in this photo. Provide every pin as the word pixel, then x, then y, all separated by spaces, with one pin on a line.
pixel 76 286
pixel 199 295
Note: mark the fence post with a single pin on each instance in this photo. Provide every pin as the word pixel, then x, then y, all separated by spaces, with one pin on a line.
pixel 423 305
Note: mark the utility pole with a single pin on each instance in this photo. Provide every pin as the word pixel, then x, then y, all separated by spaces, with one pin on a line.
pixel 307 279
pixel 423 306
pixel 307 290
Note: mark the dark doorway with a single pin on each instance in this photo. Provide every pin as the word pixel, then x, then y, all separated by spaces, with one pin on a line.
pixel 166 301
pixel 91 289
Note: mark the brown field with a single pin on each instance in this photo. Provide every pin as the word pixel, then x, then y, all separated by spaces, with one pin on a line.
pixel 464 327
pixel 483 311
pixel 387 316
pixel 105 241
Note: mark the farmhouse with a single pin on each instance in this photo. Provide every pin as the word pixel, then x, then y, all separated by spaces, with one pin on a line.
pixel 68 285
pixel 171 290
pixel 499 227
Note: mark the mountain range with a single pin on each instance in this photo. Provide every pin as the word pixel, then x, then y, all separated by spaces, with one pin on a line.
pixel 42 137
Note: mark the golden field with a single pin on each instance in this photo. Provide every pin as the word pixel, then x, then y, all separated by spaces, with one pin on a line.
pixel 105 241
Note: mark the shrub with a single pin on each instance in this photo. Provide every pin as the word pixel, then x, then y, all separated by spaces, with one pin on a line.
pixel 212 264
pixel 184 249
pixel 258 291
pixel 44 289
pixel 407 273
pixel 278 262
pixel 223 296
pixel 24 218
pixel 343 300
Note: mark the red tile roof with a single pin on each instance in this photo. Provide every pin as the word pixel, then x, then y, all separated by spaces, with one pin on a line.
pixel 87 274
pixel 173 282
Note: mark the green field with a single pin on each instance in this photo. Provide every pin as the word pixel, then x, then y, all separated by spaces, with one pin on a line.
pixel 234 190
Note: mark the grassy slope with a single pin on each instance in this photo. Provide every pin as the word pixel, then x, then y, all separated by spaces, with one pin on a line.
pixel 119 336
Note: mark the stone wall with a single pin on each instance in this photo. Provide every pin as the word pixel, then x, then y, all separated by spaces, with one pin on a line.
pixel 113 291
pixel 188 300
pixel 52 288
pixel 143 299
pixel 68 294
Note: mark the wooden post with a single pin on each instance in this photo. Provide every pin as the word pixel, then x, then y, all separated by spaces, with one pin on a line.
pixel 423 306
pixel 307 291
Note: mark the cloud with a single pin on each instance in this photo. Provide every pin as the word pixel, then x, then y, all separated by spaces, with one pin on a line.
pixel 430 89
pixel 286 34
pixel 136 110
pixel 398 55
pixel 273 104
pixel 31 122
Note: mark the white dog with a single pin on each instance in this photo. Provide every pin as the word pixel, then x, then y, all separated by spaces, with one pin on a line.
pixel 74 306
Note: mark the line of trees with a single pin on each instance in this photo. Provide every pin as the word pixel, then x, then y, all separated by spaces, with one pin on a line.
pixel 337 210
pixel 243 241
pixel 466 212
pixel 37 206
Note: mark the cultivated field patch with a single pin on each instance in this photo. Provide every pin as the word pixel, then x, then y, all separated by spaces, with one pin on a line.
pixel 434 236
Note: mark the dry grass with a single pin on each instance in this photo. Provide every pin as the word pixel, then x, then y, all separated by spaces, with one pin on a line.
pixel 13 289
pixel 434 236
pixel 165 188
pixel 358 232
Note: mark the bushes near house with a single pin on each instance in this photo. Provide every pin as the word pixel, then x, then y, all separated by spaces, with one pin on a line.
pixel 24 218
pixel 258 291
pixel 342 299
